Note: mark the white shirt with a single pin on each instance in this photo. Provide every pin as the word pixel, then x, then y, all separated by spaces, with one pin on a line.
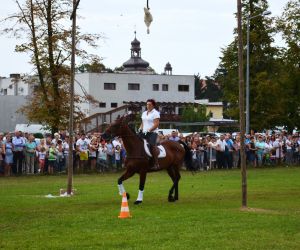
pixel 42 155
pixel 277 145
pixel 54 141
pixel 148 119
pixel 102 152
pixel 268 147
pixel 116 142
pixel 288 144
pixel 221 145
pixel 82 144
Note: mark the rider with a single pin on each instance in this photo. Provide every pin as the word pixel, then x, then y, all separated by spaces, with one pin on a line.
pixel 149 126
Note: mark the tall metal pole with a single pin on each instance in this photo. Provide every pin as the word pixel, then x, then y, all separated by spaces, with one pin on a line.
pixel 247 81
pixel 242 105
pixel 71 119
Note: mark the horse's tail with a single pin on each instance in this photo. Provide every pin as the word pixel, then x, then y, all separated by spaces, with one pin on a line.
pixel 188 160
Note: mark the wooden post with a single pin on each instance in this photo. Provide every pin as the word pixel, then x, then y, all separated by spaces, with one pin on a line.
pixel 71 120
pixel 242 105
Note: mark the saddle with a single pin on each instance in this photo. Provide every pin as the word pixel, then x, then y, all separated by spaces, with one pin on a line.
pixel 162 151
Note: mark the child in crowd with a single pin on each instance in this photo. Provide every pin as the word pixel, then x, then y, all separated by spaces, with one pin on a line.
pixel 102 156
pixel 7 150
pixel 118 157
pixel 252 152
pixel 52 158
pixel 93 148
pixel 212 153
pixel 194 152
pixel 42 156
pixel 60 156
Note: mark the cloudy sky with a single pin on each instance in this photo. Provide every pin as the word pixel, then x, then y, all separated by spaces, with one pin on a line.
pixel 188 34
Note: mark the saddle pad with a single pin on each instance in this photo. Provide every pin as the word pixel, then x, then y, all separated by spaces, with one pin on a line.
pixel 162 151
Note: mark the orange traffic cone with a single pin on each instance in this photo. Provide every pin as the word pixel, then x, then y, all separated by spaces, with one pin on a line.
pixel 124 213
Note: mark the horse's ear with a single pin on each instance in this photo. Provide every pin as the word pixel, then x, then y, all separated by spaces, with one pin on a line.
pixel 127 116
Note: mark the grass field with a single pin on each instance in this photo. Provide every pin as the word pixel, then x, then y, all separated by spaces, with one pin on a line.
pixel 207 215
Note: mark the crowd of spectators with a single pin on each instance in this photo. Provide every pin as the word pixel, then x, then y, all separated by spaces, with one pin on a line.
pixel 22 153
pixel 261 149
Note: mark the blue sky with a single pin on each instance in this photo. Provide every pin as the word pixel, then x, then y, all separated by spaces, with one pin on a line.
pixel 188 34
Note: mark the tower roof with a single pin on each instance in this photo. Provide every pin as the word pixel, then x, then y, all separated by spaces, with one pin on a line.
pixel 168 66
pixel 135 44
pixel 135 62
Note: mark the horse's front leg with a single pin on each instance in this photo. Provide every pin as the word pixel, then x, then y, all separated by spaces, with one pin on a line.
pixel 139 199
pixel 124 177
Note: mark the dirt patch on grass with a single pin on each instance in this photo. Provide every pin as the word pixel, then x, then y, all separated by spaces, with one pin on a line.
pixel 260 210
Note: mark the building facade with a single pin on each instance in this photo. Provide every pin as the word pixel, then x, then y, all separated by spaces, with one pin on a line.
pixel 13 93
pixel 112 90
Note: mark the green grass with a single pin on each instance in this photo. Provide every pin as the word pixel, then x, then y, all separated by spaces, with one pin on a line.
pixel 207 215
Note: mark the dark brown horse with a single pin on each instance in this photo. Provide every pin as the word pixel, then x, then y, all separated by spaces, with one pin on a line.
pixel 137 161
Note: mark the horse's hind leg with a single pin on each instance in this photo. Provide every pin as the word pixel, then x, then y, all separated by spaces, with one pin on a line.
pixel 121 187
pixel 178 176
pixel 172 175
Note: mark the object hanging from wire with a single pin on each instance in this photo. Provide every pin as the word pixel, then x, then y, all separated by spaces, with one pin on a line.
pixel 148 17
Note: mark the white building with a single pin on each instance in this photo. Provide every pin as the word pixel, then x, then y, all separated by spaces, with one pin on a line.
pixel 113 89
pixel 135 83
pixel 13 86
pixel 13 92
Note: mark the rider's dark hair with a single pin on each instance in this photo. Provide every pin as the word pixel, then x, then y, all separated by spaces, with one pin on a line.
pixel 152 101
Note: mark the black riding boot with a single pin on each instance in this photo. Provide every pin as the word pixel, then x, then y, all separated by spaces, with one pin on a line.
pixel 155 154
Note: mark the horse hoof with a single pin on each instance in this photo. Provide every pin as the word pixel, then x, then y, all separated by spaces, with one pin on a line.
pixel 137 202
pixel 128 196
pixel 171 199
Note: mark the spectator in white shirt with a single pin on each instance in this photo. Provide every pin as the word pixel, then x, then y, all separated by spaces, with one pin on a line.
pixel 82 147
pixel 220 148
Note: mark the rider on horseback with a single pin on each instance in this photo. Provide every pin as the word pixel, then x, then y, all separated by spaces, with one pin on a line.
pixel 149 126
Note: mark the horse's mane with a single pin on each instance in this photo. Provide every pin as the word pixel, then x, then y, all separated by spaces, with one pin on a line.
pixel 131 128
pixel 127 120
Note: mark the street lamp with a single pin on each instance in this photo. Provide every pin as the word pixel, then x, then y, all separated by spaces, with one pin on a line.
pixel 265 13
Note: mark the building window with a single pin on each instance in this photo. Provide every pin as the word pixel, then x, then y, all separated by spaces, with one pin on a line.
pixel 165 87
pixel 110 86
pixel 133 86
pixel 155 87
pixel 180 110
pixel 4 91
pixel 114 105
pixel 102 105
pixel 168 110
pixel 183 88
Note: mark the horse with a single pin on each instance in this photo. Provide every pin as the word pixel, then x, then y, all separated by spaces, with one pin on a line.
pixel 137 160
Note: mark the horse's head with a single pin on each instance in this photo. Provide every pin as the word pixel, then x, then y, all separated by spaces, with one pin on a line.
pixel 117 128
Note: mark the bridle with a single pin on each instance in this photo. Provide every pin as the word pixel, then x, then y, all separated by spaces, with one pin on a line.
pixel 122 125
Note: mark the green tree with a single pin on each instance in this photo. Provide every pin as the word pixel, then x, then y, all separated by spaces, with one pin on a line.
pixel 197 84
pixel 210 90
pixel 264 69
pixel 192 113
pixel 288 24
pixel 46 26
pixel 95 66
